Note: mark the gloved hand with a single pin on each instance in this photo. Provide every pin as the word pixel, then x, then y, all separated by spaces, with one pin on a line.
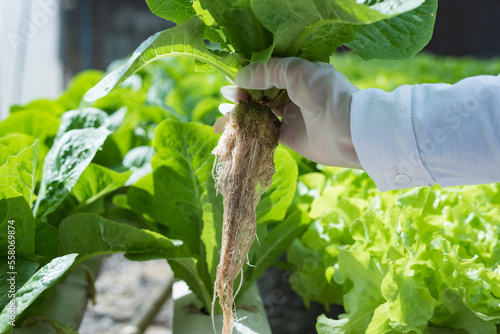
pixel 316 121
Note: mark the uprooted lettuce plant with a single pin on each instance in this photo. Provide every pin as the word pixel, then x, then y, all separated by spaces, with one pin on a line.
pixel 246 31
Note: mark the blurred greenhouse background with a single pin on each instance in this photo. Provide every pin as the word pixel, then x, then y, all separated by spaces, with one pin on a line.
pixel 44 43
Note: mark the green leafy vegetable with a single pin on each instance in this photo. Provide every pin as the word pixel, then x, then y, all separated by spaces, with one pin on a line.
pixel 80 136
pixel 20 173
pixel 180 194
pixel 185 39
pixel 91 235
pixel 399 37
pixel 97 181
pixel 18 222
pixel 39 124
pixel 396 257
pixel 177 11
pixel 255 31
pixel 13 143
pixel 245 32
pixel 64 164
pixel 24 268
pixel 39 282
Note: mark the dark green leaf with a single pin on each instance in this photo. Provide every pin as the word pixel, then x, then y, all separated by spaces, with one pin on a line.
pixel 399 37
pixel 46 240
pixel 64 164
pixel 275 244
pixel 17 228
pixel 91 235
pixel 79 85
pixel 24 270
pixel 38 283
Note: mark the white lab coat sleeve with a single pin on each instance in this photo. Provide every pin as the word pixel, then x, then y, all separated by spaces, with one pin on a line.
pixel 431 133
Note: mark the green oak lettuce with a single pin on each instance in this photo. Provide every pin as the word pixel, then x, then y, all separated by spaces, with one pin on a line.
pixel 405 261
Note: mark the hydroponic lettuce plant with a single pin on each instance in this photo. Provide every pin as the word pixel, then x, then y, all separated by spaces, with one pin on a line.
pixel 246 31
pixel 54 190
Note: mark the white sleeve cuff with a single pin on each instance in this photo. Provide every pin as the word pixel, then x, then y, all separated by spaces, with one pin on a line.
pixel 384 138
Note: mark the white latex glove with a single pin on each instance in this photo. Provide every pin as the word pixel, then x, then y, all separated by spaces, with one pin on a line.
pixel 316 122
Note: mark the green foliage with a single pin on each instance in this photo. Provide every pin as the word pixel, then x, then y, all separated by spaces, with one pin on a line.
pixel 315 29
pixel 135 177
pixel 39 282
pixel 18 174
pixel 90 235
pixel 17 218
pixel 424 68
pixel 407 34
pixel 246 31
pixel 42 105
pixel 397 257
pixel 180 196
pixel 399 262
pixel 38 136
pixel 65 162
pixel 186 39
pixel 39 124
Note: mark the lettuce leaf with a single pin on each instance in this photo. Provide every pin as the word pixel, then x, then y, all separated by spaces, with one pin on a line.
pixel 405 261
pixel 250 31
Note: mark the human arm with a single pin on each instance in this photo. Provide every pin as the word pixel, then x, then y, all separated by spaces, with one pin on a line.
pixel 432 133
pixel 414 136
